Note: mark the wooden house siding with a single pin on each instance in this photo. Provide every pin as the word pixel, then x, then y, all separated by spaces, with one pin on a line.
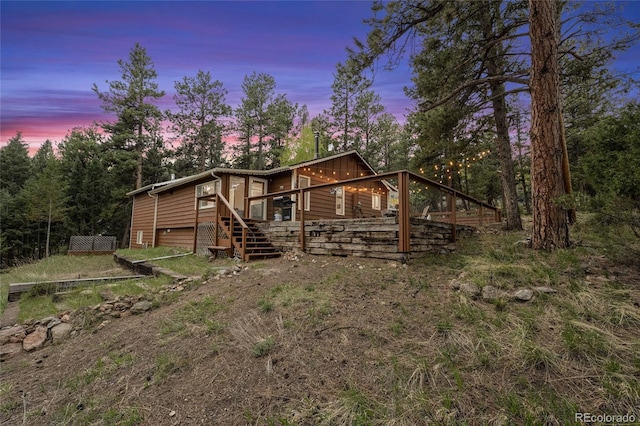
pixel 323 201
pixel 177 208
pixel 175 237
pixel 142 220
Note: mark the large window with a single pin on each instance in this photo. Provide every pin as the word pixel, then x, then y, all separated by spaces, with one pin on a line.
pixel 208 188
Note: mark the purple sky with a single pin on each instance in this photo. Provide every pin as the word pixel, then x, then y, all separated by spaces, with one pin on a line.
pixel 54 51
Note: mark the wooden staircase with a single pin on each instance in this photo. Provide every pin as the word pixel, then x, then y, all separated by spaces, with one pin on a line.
pixel 256 244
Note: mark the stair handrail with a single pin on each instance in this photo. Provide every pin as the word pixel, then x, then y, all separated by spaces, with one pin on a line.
pixel 233 214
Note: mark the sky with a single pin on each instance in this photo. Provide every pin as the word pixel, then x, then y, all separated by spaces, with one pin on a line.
pixel 52 52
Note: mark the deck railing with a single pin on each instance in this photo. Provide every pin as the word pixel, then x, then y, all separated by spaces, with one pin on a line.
pixel 222 209
pixel 450 205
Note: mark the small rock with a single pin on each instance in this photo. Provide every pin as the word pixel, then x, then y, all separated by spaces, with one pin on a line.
pixel 65 318
pixel 172 413
pixel 47 320
pixel 53 323
pixel 523 295
pixel 13 334
pixel 121 306
pixel 454 284
pixel 103 324
pixel 9 350
pixel 61 331
pixel 470 290
pixel 35 340
pixel 490 293
pixel 544 290
pixel 141 307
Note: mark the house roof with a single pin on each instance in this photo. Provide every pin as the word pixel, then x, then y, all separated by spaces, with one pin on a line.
pixel 164 186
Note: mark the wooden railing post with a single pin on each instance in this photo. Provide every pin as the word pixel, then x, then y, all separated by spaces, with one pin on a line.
pixel 243 249
pixel 404 225
pixel 215 223
pixel 301 201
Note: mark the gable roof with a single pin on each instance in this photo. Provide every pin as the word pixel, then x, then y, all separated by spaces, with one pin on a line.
pixel 167 185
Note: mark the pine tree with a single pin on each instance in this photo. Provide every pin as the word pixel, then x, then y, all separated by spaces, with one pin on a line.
pixel 131 99
pixel 199 123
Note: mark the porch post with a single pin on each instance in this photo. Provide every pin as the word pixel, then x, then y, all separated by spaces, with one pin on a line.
pixel 216 221
pixel 404 232
pixel 301 201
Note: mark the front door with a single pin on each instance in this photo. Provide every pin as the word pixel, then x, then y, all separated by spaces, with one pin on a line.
pixel 257 208
pixel 236 194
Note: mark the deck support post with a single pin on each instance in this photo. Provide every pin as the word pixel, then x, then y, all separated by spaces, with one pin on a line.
pixel 404 231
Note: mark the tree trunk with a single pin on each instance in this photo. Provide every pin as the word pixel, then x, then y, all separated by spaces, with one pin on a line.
pixel 550 219
pixel 49 228
pixel 498 99
pixel 507 170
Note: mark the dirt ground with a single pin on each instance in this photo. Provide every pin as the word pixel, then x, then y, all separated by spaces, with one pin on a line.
pixel 318 340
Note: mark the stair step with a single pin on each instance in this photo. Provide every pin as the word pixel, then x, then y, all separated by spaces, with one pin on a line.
pixel 262 255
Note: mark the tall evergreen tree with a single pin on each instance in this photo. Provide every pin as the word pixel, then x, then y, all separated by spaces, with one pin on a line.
pixel 263 121
pixel 44 195
pixel 85 168
pixel 349 88
pixel 252 115
pixel 199 122
pixel 15 167
pixel 131 99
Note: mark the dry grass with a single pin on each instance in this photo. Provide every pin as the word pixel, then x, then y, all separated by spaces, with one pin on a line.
pixel 333 341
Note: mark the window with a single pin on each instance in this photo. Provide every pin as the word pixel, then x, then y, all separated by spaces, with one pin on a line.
pixel 208 188
pixel 305 182
pixel 139 237
pixel 340 201
pixel 376 201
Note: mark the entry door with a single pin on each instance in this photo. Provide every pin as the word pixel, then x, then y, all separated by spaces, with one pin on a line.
pixel 257 208
pixel 236 194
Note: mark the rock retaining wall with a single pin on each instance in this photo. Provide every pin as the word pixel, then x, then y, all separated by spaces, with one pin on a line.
pixel 373 237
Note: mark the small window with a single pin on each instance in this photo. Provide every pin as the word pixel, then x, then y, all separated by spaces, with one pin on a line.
pixel 376 201
pixel 305 182
pixel 208 188
pixel 340 201
pixel 139 237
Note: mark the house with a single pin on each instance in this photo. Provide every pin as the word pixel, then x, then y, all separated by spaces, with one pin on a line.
pixel 335 205
pixel 164 214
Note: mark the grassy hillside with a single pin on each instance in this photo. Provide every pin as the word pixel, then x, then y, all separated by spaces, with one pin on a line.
pixel 347 341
